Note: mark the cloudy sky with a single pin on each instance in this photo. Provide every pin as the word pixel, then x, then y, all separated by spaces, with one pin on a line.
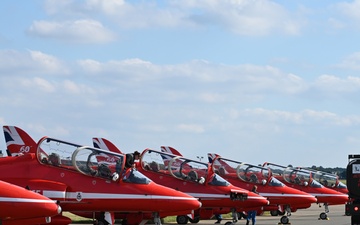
pixel 253 80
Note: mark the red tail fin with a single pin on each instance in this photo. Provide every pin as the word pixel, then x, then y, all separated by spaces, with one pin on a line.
pixel 18 141
pixel 105 144
pixel 171 150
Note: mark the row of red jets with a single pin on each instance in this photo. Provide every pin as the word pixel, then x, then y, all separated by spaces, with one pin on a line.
pixel 102 182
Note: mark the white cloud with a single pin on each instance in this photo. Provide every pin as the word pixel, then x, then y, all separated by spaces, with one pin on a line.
pixel 74 7
pixel 243 17
pixel 212 97
pixel 331 83
pixel 72 87
pixel 246 78
pixel 47 62
pixel 307 116
pixel 350 9
pixel 108 6
pixel 192 128
pixel 31 62
pixel 78 31
pixel 42 84
pixel 351 62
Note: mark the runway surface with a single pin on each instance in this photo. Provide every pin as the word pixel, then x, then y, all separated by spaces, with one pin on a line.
pixel 301 217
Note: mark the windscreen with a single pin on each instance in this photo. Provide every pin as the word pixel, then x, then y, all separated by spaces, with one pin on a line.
pixel 134 176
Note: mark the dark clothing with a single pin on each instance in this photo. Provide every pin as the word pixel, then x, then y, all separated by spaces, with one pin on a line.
pixel 218 217
pixel 251 214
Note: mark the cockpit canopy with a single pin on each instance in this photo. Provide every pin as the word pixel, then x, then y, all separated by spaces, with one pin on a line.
pixel 84 159
pixel 327 179
pixel 297 176
pixel 292 175
pixel 176 166
pixel 250 173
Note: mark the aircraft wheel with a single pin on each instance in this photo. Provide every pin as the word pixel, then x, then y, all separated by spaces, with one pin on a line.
pixel 284 220
pixel 182 219
pixel 195 220
pixel 274 212
pixel 228 223
pixel 323 216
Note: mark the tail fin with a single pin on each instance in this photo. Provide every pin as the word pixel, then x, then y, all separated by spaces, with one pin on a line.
pixel 105 144
pixel 212 156
pixel 171 150
pixel 18 141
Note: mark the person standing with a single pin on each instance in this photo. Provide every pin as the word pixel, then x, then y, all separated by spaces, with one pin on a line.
pixel 136 159
pixel 252 213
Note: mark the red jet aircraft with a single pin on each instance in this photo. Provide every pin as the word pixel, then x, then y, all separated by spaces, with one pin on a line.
pixel 302 180
pixel 283 199
pixel 21 206
pixel 85 179
pixel 194 178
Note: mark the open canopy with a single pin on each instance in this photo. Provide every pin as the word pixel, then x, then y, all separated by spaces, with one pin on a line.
pixel 228 168
pixel 180 167
pixel 87 160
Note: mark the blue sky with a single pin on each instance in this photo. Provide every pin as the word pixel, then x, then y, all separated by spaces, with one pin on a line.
pixel 257 81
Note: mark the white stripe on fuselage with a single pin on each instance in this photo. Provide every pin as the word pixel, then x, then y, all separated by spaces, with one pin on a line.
pixel 217 196
pixel 327 195
pixel 284 195
pixel 29 200
pixel 85 195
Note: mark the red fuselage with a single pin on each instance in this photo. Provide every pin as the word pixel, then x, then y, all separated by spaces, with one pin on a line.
pixel 20 205
pixel 78 192
pixel 209 195
pixel 322 194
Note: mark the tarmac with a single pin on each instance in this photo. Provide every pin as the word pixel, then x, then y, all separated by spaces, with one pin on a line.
pixel 309 216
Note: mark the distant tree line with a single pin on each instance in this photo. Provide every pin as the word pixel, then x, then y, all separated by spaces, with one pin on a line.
pixel 341 172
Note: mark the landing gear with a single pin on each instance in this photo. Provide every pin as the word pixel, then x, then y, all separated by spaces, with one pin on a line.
pixel 285 219
pixel 157 220
pixel 323 215
pixel 101 220
pixel 195 220
pixel 182 219
pixel 274 212
pixel 234 215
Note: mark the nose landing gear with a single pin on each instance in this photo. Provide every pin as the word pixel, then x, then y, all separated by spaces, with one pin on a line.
pixel 323 215
pixel 285 219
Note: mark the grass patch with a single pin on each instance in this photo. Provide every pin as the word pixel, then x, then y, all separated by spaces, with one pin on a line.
pixel 77 219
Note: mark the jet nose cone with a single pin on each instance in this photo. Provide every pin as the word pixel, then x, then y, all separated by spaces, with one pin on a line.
pixel 332 197
pixel 310 199
pixel 256 200
pixel 186 202
pixel 181 201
